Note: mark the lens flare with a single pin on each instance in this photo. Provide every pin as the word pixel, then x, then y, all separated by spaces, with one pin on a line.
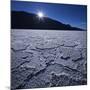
pixel 40 14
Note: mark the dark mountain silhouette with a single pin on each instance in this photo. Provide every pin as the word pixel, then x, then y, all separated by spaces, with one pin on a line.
pixel 24 20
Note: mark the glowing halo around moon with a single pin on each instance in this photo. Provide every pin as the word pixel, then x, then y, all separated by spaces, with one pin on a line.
pixel 40 14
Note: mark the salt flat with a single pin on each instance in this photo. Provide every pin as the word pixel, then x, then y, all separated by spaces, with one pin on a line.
pixel 48 58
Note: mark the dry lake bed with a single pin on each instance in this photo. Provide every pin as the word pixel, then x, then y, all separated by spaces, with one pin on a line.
pixel 48 58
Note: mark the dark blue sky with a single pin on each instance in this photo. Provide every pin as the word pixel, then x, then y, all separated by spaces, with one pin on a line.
pixel 75 15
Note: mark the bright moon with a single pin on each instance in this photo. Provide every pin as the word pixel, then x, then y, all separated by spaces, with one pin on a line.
pixel 40 14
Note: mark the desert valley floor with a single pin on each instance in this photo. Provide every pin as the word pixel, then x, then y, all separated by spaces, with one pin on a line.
pixel 48 58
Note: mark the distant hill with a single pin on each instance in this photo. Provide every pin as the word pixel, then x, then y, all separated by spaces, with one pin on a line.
pixel 24 20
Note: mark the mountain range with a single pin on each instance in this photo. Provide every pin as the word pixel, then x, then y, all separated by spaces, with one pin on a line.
pixel 25 20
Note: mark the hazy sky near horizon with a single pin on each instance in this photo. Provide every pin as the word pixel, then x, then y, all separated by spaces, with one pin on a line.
pixel 75 15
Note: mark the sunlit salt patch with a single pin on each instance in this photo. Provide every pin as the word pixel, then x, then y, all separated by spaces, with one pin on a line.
pixel 19 45
pixel 68 63
pixel 65 51
pixel 55 40
pixel 59 74
pixel 48 44
pixel 70 43
pixel 42 61
pixel 72 53
pixel 28 66
pixel 77 42
pixel 19 57
pixel 76 55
